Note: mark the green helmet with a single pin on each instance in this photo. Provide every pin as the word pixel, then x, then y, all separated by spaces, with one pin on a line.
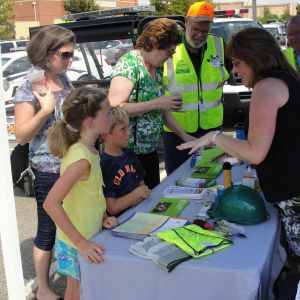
pixel 240 204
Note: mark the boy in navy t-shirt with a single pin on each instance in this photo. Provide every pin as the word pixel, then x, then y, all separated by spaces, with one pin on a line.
pixel 123 175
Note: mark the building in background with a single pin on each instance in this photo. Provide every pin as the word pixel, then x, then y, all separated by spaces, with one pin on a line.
pixel 30 13
pixel 276 8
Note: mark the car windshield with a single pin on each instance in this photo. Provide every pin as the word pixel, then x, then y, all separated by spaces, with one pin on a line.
pixel 226 29
pixel 4 60
pixel 273 31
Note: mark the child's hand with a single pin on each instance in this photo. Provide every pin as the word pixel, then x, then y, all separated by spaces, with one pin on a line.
pixel 92 252
pixel 110 222
pixel 144 191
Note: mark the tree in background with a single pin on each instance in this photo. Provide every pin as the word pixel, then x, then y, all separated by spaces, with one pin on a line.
pixel 7 28
pixel 78 6
pixel 172 7
pixel 267 16
pixel 298 8
pixel 285 16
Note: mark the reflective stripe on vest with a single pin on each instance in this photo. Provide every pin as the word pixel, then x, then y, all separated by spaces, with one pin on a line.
pixel 213 74
pixel 289 55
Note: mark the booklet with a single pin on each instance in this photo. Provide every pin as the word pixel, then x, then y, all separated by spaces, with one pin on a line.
pixel 207 171
pixel 140 225
pixel 174 191
pixel 165 255
pixel 195 182
pixel 170 206
pixel 209 154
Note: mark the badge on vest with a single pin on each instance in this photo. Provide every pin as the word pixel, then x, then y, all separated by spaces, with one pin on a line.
pixel 215 61
pixel 202 105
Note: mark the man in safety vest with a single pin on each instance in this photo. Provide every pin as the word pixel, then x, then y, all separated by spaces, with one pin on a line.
pixel 292 53
pixel 197 72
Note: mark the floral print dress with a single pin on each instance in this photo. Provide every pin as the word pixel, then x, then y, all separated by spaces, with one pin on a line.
pixel 145 129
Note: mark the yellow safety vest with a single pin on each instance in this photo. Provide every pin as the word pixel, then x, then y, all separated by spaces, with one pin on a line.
pixel 194 240
pixel 202 97
pixel 289 54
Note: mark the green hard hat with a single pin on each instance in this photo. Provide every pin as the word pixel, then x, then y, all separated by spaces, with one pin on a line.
pixel 240 204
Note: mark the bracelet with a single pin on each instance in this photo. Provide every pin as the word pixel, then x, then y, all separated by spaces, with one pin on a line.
pixel 216 133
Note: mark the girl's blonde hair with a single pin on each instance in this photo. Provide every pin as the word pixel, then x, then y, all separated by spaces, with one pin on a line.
pixel 81 103
pixel 119 115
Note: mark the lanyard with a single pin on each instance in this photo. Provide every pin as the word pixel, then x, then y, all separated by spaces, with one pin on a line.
pixel 297 58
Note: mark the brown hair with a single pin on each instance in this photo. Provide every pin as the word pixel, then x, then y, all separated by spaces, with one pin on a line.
pixel 81 103
pixel 119 115
pixel 163 31
pixel 259 50
pixel 45 42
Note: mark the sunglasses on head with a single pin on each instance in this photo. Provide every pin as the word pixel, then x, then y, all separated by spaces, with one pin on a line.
pixel 66 54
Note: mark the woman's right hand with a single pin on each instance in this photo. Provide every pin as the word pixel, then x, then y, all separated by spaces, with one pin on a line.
pixel 47 102
pixel 92 252
pixel 171 103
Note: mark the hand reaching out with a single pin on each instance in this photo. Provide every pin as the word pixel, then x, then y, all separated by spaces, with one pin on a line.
pixel 205 140
pixel 171 103
pixel 47 102
pixel 92 252
pixel 110 222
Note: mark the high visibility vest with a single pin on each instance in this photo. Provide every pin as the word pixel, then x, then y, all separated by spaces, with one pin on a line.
pixel 194 240
pixel 202 98
pixel 289 54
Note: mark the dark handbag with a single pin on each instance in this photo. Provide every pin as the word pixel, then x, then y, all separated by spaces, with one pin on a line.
pixel 22 175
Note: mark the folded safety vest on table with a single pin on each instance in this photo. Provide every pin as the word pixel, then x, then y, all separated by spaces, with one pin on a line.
pixel 195 240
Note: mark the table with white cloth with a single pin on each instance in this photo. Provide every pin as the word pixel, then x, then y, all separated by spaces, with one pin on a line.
pixel 244 271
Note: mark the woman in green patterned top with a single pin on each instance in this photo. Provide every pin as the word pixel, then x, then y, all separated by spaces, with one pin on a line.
pixel 137 86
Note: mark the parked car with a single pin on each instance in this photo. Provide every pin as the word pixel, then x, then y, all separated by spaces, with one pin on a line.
pixel 112 49
pixel 15 66
pixel 278 31
pixel 8 46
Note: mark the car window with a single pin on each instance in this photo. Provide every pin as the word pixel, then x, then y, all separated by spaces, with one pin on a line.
pixel 226 29
pixel 18 66
pixel 4 60
pixel 21 43
pixel 5 47
pixel 273 31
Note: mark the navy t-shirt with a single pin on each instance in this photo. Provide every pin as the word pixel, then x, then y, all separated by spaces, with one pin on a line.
pixel 121 174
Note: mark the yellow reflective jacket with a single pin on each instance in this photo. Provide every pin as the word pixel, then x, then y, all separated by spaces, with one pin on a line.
pixel 202 96
pixel 289 54
pixel 195 240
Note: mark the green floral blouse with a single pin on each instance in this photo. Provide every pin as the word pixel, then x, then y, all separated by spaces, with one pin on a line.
pixel 145 129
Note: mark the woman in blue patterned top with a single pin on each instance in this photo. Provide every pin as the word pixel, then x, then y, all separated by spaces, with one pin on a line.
pixel 51 49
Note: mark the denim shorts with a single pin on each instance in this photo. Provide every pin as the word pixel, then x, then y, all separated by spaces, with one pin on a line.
pixel 45 237
pixel 67 260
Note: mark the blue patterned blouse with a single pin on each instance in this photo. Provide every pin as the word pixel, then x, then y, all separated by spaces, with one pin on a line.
pixel 39 155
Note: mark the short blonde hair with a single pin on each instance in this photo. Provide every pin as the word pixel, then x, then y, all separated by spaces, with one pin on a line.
pixel 119 115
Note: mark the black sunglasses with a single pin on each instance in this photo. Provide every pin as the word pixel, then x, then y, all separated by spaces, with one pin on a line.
pixel 66 54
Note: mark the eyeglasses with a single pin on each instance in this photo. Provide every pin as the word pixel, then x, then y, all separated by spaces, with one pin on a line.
pixel 65 55
pixel 236 63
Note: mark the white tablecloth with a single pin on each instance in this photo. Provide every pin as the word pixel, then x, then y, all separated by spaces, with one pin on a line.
pixel 244 271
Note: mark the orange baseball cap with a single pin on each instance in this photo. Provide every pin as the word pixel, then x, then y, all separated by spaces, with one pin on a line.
pixel 201 11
